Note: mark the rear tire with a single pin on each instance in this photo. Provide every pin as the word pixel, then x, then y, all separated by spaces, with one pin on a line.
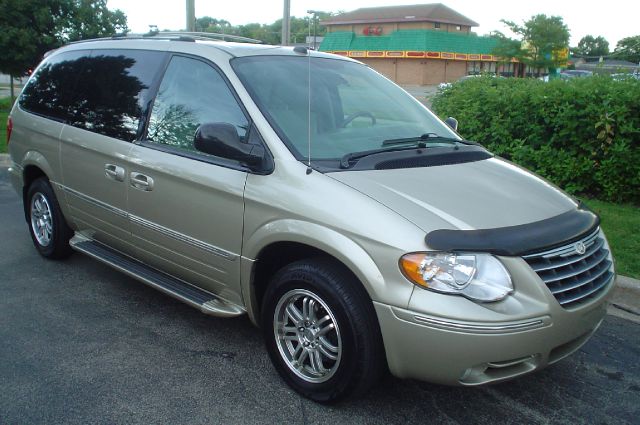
pixel 321 330
pixel 47 226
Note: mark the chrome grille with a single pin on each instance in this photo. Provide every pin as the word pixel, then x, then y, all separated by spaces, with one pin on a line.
pixel 571 277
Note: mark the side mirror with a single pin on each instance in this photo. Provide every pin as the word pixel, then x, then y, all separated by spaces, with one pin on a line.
pixel 452 122
pixel 221 139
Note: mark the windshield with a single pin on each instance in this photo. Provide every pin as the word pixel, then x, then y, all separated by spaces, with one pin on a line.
pixel 353 108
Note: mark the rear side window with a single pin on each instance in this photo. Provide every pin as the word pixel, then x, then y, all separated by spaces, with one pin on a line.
pixel 192 93
pixel 50 89
pixel 113 91
pixel 103 91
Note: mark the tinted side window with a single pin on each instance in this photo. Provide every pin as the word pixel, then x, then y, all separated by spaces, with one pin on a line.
pixel 50 89
pixel 192 93
pixel 113 90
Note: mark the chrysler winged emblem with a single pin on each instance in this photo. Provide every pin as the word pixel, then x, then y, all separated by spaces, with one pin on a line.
pixel 580 248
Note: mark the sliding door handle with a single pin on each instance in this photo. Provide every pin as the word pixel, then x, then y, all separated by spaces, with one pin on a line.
pixel 141 181
pixel 114 172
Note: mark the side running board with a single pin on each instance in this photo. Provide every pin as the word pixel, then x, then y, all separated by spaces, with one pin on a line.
pixel 205 301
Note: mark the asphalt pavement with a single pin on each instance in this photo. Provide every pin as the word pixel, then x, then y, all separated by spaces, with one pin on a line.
pixel 82 343
pixel 424 94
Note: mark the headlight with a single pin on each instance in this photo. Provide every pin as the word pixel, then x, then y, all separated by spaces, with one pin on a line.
pixel 480 277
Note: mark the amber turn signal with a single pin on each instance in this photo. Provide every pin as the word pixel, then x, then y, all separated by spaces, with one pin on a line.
pixel 410 265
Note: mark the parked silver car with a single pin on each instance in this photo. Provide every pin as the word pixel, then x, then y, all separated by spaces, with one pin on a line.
pixel 314 195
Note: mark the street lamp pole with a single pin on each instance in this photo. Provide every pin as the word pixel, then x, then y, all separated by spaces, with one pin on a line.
pixel 315 27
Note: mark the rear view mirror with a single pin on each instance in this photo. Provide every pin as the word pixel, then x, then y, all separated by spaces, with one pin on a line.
pixel 221 139
pixel 452 122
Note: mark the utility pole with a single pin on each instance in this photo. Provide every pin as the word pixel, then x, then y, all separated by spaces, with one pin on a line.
pixel 191 16
pixel 286 23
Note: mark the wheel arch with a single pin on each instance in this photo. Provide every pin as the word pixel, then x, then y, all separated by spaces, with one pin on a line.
pixel 280 243
pixel 32 170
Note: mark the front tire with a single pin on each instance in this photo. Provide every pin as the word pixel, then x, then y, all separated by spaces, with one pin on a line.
pixel 47 226
pixel 321 330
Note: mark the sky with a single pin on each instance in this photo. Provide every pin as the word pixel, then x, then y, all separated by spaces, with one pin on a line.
pixel 613 19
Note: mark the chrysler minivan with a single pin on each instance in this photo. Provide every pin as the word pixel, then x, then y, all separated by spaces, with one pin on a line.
pixel 307 191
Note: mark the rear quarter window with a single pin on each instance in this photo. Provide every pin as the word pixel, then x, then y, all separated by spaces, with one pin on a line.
pixel 50 90
pixel 103 91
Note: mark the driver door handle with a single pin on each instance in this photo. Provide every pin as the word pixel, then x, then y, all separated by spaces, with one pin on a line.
pixel 141 181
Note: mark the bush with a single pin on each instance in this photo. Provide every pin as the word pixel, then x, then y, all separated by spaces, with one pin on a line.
pixel 583 134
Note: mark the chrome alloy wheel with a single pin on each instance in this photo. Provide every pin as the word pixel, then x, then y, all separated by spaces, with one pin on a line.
pixel 307 335
pixel 41 220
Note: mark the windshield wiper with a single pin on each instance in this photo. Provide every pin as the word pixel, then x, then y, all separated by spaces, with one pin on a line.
pixel 427 137
pixel 409 142
pixel 346 159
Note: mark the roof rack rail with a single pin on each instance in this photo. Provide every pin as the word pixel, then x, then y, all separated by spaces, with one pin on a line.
pixel 176 36
pixel 210 36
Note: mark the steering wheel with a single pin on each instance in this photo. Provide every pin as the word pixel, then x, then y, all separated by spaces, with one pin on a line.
pixel 356 115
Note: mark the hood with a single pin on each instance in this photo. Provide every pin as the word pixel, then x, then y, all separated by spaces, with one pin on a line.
pixel 483 194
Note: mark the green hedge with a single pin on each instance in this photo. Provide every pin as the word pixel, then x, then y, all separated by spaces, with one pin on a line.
pixel 582 134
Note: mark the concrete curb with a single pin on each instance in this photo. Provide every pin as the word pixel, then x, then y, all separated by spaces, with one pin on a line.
pixel 625 299
pixel 628 283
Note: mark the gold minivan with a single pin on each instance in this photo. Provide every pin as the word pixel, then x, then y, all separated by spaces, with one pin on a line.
pixel 303 189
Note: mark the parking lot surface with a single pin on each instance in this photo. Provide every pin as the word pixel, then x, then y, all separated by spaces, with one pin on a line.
pixel 82 343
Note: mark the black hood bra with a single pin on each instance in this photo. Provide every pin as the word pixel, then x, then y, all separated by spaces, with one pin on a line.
pixel 521 239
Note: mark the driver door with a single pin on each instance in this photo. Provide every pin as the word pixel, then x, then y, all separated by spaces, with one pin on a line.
pixel 186 207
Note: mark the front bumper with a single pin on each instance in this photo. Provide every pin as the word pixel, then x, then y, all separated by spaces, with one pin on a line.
pixel 456 352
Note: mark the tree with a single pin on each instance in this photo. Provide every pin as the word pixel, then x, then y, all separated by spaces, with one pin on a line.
pixel 507 49
pixel 92 19
pixel 300 26
pixel 267 33
pixel 30 28
pixel 628 49
pixel 593 47
pixel 542 37
pixel 220 26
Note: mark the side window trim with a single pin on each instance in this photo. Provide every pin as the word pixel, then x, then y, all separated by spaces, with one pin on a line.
pixel 153 92
pixel 226 163
pixel 143 141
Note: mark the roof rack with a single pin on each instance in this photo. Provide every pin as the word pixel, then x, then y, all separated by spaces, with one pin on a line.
pixel 176 36
pixel 211 36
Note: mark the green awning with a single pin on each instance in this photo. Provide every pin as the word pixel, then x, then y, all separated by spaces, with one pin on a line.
pixel 418 40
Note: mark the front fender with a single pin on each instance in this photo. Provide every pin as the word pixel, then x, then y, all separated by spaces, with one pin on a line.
pixel 339 246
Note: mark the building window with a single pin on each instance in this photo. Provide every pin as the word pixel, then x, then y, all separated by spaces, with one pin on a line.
pixel 436 25
pixel 506 70
pixel 473 68
pixel 458 27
